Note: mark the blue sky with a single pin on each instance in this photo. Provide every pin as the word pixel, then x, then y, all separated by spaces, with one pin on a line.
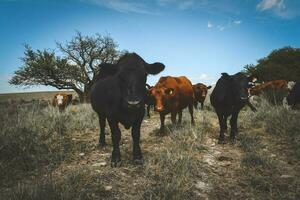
pixel 196 38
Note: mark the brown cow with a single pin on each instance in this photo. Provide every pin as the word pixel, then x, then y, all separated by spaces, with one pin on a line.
pixel 172 95
pixel 277 84
pixel 61 100
pixel 200 92
pixel 149 100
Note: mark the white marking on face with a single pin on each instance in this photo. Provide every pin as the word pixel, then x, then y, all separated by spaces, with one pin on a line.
pixel 59 99
pixel 291 84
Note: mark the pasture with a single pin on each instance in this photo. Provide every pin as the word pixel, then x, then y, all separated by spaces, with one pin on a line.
pixel 45 154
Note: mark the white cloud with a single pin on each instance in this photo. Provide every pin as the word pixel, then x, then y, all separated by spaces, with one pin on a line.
pixel 237 22
pixel 204 77
pixel 278 7
pixel 221 28
pixel 181 5
pixel 123 6
pixel 209 24
pixel 271 4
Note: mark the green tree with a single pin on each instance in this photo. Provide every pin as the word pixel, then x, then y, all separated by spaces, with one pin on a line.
pixel 281 63
pixel 76 68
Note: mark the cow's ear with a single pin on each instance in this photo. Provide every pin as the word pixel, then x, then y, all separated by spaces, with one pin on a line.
pixel 154 68
pixel 169 91
pixel 225 75
pixel 208 87
pixel 107 69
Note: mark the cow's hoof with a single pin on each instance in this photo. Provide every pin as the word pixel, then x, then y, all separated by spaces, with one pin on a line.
pixel 138 161
pixel 221 141
pixel 161 132
pixel 116 163
pixel 232 141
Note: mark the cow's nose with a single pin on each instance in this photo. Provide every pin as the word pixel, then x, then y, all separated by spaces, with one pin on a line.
pixel 159 108
pixel 133 103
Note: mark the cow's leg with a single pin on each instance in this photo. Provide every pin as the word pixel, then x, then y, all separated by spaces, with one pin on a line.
pixel 115 136
pixel 202 105
pixel 233 126
pixel 179 116
pixel 162 122
pixel 102 122
pixel 191 110
pixel 195 104
pixel 137 154
pixel 251 106
pixel 225 123
pixel 222 123
pixel 173 117
pixel 148 111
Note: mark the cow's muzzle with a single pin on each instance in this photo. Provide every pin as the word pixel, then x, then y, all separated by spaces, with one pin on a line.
pixel 134 104
pixel 159 108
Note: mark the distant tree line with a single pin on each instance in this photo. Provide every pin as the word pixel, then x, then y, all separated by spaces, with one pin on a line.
pixel 76 67
pixel 281 63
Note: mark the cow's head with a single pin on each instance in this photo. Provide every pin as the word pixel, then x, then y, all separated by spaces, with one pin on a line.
pixel 291 97
pixel 240 85
pixel 149 96
pixel 131 72
pixel 200 90
pixel 60 99
pixel 163 96
pixel 290 85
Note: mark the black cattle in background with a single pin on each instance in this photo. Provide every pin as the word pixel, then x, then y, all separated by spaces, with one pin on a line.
pixel 150 100
pixel 119 97
pixel 293 98
pixel 229 96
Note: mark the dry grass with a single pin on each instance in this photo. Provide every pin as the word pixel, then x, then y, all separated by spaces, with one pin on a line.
pixel 29 96
pixel 33 137
pixel 43 152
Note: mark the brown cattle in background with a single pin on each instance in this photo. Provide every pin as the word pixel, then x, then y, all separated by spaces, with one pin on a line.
pixel 172 95
pixel 200 92
pixel 149 100
pixel 61 100
pixel 277 85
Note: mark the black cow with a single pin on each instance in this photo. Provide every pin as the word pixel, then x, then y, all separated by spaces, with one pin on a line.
pixel 293 97
pixel 228 97
pixel 119 97
pixel 150 100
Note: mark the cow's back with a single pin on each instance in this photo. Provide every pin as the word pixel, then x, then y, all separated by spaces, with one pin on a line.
pixel 183 89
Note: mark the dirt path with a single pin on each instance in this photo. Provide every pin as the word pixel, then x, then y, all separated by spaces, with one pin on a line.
pixel 221 174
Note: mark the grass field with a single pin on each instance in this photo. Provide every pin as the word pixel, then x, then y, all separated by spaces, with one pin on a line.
pixel 45 154
pixel 29 96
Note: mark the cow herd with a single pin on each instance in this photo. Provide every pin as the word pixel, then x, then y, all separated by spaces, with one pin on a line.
pixel 121 93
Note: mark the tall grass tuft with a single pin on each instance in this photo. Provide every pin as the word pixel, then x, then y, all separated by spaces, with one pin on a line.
pixel 34 136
